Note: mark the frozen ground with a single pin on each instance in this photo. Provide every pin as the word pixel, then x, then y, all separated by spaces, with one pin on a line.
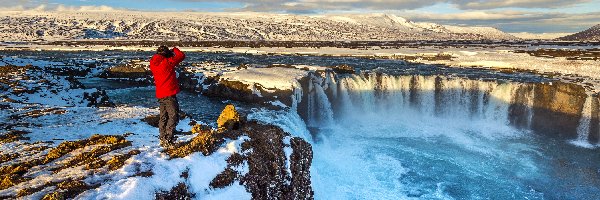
pixel 51 113
pixel 124 183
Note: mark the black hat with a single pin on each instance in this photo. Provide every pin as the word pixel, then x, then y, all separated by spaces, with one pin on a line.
pixel 164 51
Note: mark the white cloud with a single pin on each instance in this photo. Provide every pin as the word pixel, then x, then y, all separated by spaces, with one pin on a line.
pixel 60 8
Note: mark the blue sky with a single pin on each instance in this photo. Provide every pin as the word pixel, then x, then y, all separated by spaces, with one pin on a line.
pixel 508 15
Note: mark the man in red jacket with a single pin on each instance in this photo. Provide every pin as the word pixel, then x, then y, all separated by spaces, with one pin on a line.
pixel 163 65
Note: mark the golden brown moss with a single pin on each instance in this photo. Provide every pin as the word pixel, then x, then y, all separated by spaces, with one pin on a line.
pixel 10 180
pixel 30 190
pixel 54 196
pixel 206 143
pixel 200 128
pixel 13 174
pixel 92 156
pixel 69 146
pixel 12 136
pixel 67 189
pixel 8 157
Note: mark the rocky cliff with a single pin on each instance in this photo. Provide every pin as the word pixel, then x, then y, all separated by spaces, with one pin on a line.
pixel 262 166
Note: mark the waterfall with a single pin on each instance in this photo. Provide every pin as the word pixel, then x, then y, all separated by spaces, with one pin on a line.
pixel 331 98
pixel 296 96
pixel 428 95
pixel 324 112
pixel 386 123
pixel 530 100
pixel 583 130
pixel 320 111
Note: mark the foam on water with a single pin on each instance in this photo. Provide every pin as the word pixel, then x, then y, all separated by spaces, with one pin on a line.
pixel 392 155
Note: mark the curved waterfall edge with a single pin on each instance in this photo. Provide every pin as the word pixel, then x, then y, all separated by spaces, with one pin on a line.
pixel 553 108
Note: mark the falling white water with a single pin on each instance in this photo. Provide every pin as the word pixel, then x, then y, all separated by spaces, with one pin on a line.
pixel 296 96
pixel 530 98
pixel 320 111
pixel 583 130
pixel 325 114
pixel 454 96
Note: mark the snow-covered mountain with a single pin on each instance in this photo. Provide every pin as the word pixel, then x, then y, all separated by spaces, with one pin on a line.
pixel 135 25
pixel 591 34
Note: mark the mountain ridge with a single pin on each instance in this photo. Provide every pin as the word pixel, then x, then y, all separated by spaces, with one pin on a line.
pixel 195 26
pixel 590 34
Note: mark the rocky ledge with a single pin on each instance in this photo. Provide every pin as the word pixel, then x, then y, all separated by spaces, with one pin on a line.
pixel 271 164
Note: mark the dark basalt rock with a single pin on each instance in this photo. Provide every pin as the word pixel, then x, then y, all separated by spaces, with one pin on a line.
pixel 189 82
pixel 98 98
pixel 343 69
pixel 268 176
pixel 235 90
pixel 239 91
pixel 580 54
pixel 301 160
pixel 179 192
pixel 72 71
pixel 224 179
pixel 133 73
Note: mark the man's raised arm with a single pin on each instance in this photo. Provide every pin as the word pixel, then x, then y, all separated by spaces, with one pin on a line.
pixel 177 58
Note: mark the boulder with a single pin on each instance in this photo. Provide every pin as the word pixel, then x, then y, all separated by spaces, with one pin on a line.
pixel 98 98
pixel 139 74
pixel 229 118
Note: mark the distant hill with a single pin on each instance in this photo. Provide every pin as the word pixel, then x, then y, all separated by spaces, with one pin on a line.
pixel 197 26
pixel 539 36
pixel 591 34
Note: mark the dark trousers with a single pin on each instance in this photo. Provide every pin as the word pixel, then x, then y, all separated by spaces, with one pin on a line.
pixel 169 117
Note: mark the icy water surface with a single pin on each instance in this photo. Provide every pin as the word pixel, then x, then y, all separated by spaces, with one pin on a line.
pixel 380 156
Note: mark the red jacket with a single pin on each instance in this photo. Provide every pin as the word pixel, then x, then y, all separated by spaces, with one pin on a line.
pixel 163 70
